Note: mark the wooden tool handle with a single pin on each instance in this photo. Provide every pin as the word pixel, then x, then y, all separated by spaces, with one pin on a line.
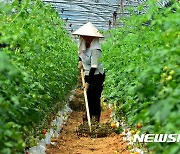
pixel 86 100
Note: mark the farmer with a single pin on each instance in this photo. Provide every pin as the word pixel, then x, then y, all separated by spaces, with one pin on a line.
pixel 89 53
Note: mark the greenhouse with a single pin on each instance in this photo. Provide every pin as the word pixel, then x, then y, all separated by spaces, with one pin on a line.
pixel 81 76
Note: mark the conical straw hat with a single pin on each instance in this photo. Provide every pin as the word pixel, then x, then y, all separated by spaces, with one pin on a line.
pixel 88 29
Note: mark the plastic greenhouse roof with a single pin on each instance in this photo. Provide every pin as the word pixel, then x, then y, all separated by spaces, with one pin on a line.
pixel 99 12
pixel 78 12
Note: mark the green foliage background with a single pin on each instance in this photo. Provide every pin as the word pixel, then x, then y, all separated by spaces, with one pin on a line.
pixel 143 73
pixel 37 69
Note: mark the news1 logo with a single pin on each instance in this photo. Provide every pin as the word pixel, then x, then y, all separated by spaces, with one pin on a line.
pixel 157 138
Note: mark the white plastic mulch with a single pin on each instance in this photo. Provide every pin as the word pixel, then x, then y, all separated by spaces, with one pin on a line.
pixel 58 121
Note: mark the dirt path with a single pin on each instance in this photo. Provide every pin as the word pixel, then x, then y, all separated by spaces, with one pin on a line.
pixel 70 143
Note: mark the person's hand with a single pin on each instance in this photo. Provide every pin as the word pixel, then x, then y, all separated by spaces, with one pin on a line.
pixel 80 66
pixel 86 86
pixel 79 52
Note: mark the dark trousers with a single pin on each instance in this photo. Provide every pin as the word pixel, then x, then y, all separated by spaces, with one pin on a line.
pixel 94 93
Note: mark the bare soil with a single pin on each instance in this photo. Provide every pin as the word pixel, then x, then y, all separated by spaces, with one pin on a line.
pixel 70 143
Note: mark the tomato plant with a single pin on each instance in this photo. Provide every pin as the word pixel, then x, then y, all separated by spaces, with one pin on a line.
pixel 142 72
pixel 37 69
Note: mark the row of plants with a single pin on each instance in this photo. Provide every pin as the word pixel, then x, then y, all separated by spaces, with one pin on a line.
pixel 143 74
pixel 37 69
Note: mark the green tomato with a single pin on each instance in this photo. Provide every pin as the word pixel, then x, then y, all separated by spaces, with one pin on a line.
pixel 171 72
pixel 166 68
pixel 163 75
pixel 169 78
